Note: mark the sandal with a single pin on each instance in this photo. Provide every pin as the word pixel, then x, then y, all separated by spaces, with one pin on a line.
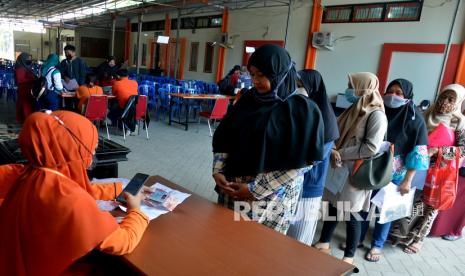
pixel 326 251
pixel 412 249
pixel 374 255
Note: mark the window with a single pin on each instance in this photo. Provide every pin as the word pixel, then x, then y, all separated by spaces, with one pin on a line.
pixel 94 47
pixel 208 61
pixel 212 21
pixel 368 13
pixel 397 12
pixel 194 56
pixel 374 12
pixel 337 15
pixel 144 54
pixel 202 22
pixel 216 22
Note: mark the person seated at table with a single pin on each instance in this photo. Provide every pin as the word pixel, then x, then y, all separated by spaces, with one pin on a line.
pixel 84 91
pixel 122 89
pixel 49 215
pixel 105 80
pixel 69 85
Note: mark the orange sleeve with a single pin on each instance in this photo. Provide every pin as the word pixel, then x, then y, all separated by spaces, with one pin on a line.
pixel 106 191
pixel 127 236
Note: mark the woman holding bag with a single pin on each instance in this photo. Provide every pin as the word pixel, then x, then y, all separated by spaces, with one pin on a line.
pixel 445 112
pixel 407 131
pixel 362 129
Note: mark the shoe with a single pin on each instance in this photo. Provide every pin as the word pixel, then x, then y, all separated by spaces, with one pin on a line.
pixel 451 238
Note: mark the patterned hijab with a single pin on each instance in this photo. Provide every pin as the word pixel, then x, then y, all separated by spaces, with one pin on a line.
pixel 454 119
pixel 366 87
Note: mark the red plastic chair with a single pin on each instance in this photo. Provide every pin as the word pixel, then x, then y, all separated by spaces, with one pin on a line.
pixel 141 113
pixel 96 110
pixel 219 110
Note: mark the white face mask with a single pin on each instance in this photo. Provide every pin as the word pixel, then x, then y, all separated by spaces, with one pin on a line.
pixel 393 101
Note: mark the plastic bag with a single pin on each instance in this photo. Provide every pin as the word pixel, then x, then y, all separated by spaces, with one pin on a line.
pixel 392 204
pixel 440 188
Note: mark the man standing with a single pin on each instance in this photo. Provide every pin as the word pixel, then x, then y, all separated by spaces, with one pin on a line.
pixel 73 66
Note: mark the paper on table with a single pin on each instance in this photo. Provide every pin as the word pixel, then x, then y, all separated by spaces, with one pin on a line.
pixel 154 210
pixel 336 179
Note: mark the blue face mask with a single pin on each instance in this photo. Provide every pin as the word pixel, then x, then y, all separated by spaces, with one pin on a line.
pixel 393 101
pixel 350 95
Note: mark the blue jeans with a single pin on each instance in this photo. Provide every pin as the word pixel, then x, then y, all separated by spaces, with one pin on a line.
pixel 381 231
pixel 50 100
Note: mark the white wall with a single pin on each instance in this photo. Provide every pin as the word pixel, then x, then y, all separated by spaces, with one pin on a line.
pixel 363 52
pixel 253 24
pixel 35 43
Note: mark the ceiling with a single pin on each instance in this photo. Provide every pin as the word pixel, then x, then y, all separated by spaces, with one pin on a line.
pixel 100 12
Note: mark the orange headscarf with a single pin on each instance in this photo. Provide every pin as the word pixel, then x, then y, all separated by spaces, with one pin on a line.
pixel 49 218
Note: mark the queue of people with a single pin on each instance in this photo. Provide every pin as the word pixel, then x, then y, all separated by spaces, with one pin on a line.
pixel 273 149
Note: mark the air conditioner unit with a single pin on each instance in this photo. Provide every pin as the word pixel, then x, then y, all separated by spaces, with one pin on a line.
pixel 323 40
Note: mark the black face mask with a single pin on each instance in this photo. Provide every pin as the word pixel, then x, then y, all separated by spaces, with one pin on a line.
pixel 28 62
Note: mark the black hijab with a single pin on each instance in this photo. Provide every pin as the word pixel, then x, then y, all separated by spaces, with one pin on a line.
pixel 272 131
pixel 315 87
pixel 406 126
pixel 21 62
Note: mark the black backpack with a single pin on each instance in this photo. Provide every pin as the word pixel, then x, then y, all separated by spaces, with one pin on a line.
pixel 39 87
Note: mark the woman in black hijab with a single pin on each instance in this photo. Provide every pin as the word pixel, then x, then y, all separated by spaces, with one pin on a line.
pixel 266 141
pixel 407 131
pixel 24 77
pixel 303 229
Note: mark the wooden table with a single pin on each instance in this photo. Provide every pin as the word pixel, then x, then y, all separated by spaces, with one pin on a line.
pixel 201 238
pixel 187 98
pixel 73 95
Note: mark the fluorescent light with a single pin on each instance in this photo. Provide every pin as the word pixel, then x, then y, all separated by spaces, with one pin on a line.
pixel 163 39
pixel 249 50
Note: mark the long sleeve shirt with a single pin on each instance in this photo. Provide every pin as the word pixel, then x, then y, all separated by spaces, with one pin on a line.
pixel 129 233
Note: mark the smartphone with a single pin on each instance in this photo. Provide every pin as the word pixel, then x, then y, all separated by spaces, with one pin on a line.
pixel 133 186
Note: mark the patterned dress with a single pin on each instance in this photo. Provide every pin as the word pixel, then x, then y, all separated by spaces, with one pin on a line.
pixel 277 194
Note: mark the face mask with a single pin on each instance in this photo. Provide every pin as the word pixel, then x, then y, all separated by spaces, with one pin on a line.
pixel 392 101
pixel 350 95
pixel 28 62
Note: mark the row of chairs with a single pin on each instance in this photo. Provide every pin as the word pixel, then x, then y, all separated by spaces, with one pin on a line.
pixel 97 110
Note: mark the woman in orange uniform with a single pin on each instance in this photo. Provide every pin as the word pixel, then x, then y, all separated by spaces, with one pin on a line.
pixel 84 91
pixel 49 216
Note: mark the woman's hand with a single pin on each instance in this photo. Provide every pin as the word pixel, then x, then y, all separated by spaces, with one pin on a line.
pixel 433 151
pixel 336 161
pixel 404 187
pixel 221 182
pixel 240 192
pixel 133 202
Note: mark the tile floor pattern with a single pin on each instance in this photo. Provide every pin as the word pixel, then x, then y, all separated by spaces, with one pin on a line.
pixel 184 157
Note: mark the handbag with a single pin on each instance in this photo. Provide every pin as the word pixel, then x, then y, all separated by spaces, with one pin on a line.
pixel 440 188
pixel 441 136
pixel 374 172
